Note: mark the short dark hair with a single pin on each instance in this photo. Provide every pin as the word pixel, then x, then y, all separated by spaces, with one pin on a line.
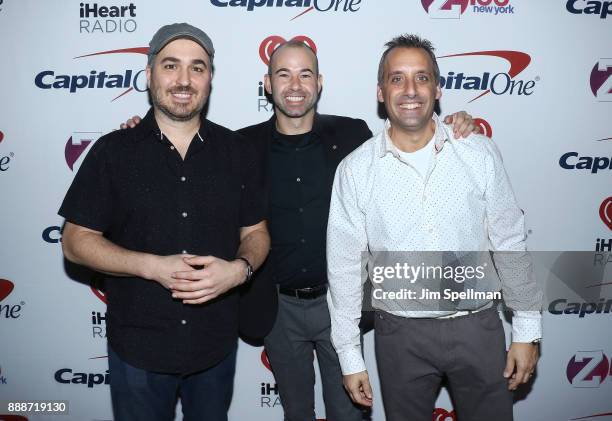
pixel 409 41
pixel 295 44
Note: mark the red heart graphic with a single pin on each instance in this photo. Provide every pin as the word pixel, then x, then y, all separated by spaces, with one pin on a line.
pixel 485 127
pixel 265 361
pixel 6 287
pixel 99 294
pixel 605 212
pixel 268 45
pixel 12 418
pixel 441 414
pixel 1 136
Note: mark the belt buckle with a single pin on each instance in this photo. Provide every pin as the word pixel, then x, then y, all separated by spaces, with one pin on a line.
pixel 306 291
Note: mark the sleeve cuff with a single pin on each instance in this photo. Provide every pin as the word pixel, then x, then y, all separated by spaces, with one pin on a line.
pixel 351 361
pixel 526 326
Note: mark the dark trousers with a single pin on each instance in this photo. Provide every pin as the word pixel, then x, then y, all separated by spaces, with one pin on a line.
pixel 139 394
pixel 415 355
pixel 303 326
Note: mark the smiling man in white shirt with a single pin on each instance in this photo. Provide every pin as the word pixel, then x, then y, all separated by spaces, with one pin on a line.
pixel 413 187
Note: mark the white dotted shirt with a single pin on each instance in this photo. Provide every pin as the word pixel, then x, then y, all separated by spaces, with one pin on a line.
pixel 380 203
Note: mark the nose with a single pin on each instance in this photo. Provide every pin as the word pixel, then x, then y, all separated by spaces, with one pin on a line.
pixel 409 87
pixel 295 82
pixel 183 77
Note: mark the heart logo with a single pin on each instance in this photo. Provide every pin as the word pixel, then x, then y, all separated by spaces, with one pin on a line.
pixel 265 361
pixel 605 212
pixel 1 136
pixel 485 127
pixel 100 294
pixel 441 414
pixel 268 45
pixel 6 287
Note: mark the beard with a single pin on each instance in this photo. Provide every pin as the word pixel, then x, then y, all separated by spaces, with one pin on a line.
pixel 176 112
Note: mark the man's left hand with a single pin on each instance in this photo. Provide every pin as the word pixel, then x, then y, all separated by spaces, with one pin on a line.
pixel 520 363
pixel 463 124
pixel 201 285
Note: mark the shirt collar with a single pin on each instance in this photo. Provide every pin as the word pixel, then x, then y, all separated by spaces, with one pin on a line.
pixel 317 126
pixel 387 146
pixel 148 127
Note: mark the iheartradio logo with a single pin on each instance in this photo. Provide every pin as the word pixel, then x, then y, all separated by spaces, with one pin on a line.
pixel 485 127
pixel 6 287
pixel 268 45
pixel 441 414
pixel 1 136
pixel 605 212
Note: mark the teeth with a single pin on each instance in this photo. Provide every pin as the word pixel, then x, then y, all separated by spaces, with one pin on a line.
pixel 294 98
pixel 410 106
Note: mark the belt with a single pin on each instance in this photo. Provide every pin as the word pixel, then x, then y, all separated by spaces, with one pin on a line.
pixel 304 293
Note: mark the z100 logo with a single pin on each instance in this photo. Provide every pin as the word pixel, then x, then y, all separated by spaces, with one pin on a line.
pixel 501 83
pixel 601 80
pixel 77 144
pixel 588 369
pixel 592 7
pixel 128 79
pixel 453 9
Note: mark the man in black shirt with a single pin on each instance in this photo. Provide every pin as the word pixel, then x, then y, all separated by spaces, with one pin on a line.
pixel 173 212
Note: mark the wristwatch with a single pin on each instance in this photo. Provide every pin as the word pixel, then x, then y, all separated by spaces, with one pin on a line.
pixel 249 268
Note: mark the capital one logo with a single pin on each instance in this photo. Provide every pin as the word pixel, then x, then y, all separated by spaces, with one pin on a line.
pixel 77 144
pixel 453 9
pixel 588 369
pixel 99 293
pixel 601 80
pixel 605 212
pixel 268 45
pixel 488 81
pixel 96 79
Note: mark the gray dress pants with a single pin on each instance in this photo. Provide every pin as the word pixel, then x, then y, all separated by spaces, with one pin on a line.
pixel 414 355
pixel 303 326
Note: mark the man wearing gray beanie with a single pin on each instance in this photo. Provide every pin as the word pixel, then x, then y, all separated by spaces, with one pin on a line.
pixel 172 212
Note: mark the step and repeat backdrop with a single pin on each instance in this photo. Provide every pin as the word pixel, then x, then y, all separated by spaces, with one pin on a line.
pixel 537 75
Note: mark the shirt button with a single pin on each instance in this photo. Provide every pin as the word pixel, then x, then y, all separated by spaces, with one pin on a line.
pixel 301 210
pixel 184 214
pixel 183 178
pixel 334 147
pixel 183 322
pixel 298 179
pixel 171 148
pixel 302 240
pixel 304 270
pixel 430 230
pixel 184 251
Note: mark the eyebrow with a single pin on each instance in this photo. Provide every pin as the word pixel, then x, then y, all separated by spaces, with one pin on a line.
pixel 176 60
pixel 284 69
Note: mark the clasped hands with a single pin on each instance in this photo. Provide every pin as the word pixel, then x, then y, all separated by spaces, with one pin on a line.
pixel 196 279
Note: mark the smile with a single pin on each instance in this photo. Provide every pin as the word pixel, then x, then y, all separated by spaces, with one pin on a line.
pixel 410 106
pixel 294 98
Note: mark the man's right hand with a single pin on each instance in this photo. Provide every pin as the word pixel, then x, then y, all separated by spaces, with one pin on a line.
pixel 131 123
pixel 358 387
pixel 161 268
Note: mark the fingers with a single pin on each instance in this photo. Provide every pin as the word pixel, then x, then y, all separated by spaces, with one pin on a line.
pixel 359 390
pixel 199 260
pixel 132 122
pixel 123 126
pixel 191 275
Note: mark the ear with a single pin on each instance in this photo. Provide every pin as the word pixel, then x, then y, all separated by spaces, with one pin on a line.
pixel 267 84
pixel 379 94
pixel 438 92
pixel 148 73
pixel 320 80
